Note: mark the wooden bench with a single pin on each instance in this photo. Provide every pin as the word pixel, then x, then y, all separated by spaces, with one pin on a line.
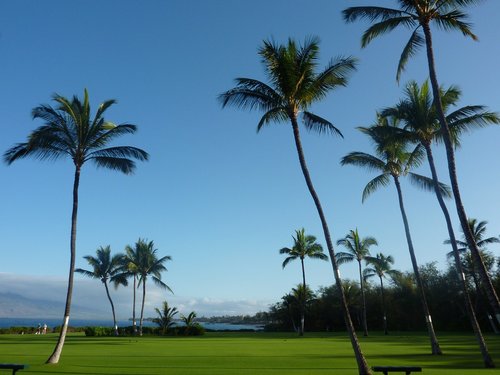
pixel 406 369
pixel 12 366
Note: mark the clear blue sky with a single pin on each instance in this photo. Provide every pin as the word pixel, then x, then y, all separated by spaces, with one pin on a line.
pixel 217 197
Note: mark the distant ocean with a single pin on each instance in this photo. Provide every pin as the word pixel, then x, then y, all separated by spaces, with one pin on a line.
pixel 31 322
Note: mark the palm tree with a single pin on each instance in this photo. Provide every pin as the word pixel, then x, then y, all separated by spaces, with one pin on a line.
pixel 189 320
pixel 467 263
pixel 303 246
pixel 357 249
pixel 70 131
pixel 421 126
pixel 419 15
pixel 165 317
pixel 380 266
pixel 148 264
pixel 106 268
pixel 393 161
pixel 130 261
pixel 294 87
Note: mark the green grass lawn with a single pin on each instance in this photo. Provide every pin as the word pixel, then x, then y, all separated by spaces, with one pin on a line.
pixel 244 353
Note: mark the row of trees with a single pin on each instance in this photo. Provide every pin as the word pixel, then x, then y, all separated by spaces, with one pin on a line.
pixel 138 263
pixel 294 85
pixel 400 311
pixel 445 284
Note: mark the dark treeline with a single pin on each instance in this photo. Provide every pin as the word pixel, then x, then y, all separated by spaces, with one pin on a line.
pixel 403 308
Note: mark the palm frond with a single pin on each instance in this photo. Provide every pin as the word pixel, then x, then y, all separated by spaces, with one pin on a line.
pixel 454 20
pixel 342 258
pixel 120 152
pixel 365 160
pixel 427 184
pixel 371 13
pixel 386 26
pixel 277 114
pixel 126 166
pixel 379 181
pixel 319 124
pixel 415 42
pixel 251 94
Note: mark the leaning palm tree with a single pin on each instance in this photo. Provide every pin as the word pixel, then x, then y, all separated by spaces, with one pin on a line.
pixel 148 264
pixel 421 126
pixel 393 161
pixel 418 15
pixel 295 86
pixel 380 266
pixel 303 246
pixel 357 250
pixel 106 268
pixel 70 131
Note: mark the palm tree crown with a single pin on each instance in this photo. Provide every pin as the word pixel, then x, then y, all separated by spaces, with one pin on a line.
pixel 70 131
pixel 420 120
pixel 414 15
pixel 305 246
pixel 294 84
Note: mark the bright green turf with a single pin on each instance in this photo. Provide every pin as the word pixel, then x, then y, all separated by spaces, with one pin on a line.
pixel 245 353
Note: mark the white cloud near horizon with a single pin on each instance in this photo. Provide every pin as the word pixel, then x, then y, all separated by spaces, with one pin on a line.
pixel 91 295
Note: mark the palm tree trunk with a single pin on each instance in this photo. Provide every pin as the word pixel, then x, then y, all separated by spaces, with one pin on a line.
pixel 430 328
pixel 488 361
pixel 112 307
pixel 362 285
pixel 386 332
pixel 54 357
pixel 134 324
pixel 142 307
pixel 303 302
pixel 445 130
pixel 360 358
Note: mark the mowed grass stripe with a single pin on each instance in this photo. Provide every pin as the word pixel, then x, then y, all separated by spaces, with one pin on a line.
pixel 248 353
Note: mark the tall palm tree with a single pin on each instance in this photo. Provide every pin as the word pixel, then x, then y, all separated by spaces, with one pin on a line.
pixel 303 246
pixel 421 125
pixel 357 250
pixel 148 264
pixel 393 160
pixel 295 86
pixel 129 267
pixel 380 266
pixel 106 268
pixel 418 15
pixel 70 131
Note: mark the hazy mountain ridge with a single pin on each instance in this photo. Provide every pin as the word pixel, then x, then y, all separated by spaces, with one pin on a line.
pixel 16 305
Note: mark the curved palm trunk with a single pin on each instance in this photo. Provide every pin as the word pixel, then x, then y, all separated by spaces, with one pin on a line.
pixel 134 323
pixel 303 302
pixel 382 299
pixel 360 358
pixel 430 328
pixel 476 256
pixel 142 307
pixel 112 307
pixel 362 285
pixel 54 357
pixel 488 361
